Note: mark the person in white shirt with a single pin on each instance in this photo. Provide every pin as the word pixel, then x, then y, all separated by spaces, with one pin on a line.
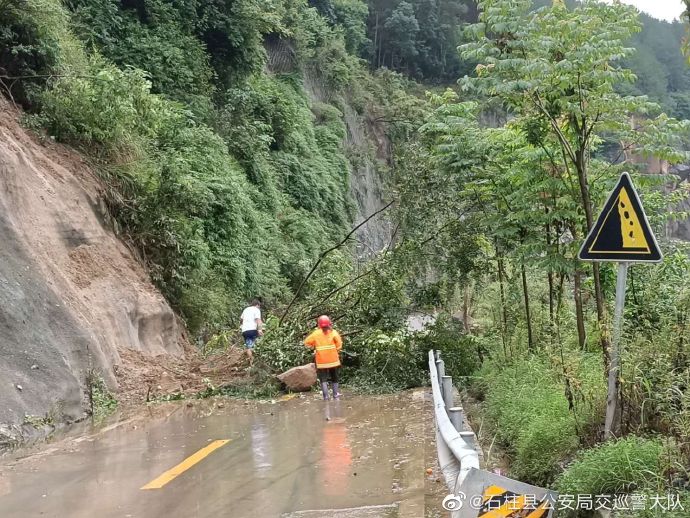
pixel 251 325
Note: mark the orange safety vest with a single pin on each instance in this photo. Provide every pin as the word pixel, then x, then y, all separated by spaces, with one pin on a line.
pixel 327 346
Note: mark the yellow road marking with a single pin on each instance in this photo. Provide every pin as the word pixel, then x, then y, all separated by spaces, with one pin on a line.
pixel 183 466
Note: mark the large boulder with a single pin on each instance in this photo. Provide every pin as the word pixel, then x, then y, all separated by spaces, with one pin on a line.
pixel 299 379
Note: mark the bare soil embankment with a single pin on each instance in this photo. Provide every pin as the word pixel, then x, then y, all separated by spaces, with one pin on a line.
pixel 73 297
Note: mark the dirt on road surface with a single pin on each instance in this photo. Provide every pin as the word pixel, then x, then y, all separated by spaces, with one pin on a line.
pixel 365 456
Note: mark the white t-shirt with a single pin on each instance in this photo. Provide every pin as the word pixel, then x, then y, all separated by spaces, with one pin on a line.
pixel 249 316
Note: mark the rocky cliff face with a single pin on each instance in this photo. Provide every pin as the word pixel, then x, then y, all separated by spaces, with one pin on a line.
pixel 367 185
pixel 369 150
pixel 365 143
pixel 72 296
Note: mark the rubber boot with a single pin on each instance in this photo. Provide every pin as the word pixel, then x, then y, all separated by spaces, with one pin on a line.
pixel 336 391
pixel 324 390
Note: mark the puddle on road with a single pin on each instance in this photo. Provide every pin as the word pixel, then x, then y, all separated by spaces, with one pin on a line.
pixel 296 456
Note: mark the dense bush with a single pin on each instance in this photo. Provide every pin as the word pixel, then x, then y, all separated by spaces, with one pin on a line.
pixel 460 351
pixel 282 347
pixel 655 384
pixel 105 109
pixel 525 405
pixel 617 466
pixel 23 50
pixel 399 359
pixel 635 465
pixel 149 35
pixel 35 43
pixel 389 361
pixel 647 467
pixel 182 198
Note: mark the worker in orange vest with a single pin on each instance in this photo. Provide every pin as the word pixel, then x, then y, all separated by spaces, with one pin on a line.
pixel 327 344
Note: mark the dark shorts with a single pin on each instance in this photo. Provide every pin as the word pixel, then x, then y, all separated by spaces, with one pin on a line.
pixel 250 338
pixel 328 374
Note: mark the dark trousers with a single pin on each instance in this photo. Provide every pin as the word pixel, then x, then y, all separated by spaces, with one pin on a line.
pixel 326 375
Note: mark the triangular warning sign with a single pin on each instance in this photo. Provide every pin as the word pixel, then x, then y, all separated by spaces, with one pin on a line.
pixel 622 232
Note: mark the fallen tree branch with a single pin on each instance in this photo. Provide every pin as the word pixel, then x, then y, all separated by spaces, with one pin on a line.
pixel 323 256
pixel 342 287
pixel 361 275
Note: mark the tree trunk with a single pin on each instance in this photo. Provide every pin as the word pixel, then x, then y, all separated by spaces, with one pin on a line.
pixel 378 61
pixel 559 305
pixel 551 301
pixel 550 278
pixel 581 166
pixel 601 316
pixel 577 296
pixel 376 39
pixel 525 291
pixel 504 315
pixel 466 310
pixel 579 313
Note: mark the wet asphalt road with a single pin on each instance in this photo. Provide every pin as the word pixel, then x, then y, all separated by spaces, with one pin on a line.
pixel 362 457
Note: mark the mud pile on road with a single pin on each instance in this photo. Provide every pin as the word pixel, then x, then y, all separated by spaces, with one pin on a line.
pixel 142 378
pixel 75 300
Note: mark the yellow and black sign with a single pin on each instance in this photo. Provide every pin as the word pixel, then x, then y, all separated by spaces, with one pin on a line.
pixel 622 232
pixel 500 503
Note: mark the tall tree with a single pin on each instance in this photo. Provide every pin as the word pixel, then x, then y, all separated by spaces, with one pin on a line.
pixel 560 68
pixel 402 27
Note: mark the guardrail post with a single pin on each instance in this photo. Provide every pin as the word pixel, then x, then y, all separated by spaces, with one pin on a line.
pixel 440 369
pixel 455 414
pixel 447 388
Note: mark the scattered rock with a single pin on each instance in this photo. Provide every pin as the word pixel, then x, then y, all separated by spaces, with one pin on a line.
pixel 299 379
pixel 19 387
pixel 34 367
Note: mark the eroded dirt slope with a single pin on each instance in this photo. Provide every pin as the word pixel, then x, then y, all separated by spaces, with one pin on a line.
pixel 72 296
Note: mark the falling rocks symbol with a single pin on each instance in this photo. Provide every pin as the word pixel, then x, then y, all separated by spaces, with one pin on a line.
pixel 622 232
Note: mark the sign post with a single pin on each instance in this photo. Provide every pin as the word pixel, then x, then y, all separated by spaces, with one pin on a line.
pixel 614 365
pixel 623 235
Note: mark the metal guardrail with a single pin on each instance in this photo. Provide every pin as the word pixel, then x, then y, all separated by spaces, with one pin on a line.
pixel 456 452
pixel 471 489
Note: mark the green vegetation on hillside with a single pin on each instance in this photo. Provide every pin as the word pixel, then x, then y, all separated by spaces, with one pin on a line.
pixel 660 67
pixel 226 176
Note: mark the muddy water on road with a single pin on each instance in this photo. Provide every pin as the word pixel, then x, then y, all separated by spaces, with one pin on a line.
pixel 363 456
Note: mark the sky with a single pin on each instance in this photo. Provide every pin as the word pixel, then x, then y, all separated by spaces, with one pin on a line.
pixel 668 10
